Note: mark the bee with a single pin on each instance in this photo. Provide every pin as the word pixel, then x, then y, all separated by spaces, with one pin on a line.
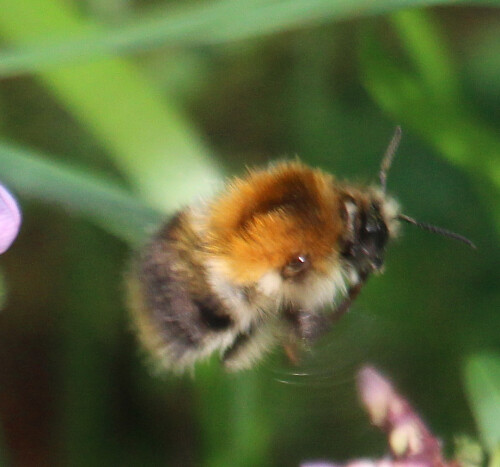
pixel 258 264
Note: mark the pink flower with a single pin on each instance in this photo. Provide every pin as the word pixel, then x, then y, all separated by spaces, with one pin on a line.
pixel 410 442
pixel 10 219
pixel 409 439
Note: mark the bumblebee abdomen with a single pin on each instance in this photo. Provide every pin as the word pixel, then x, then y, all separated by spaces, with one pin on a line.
pixel 175 313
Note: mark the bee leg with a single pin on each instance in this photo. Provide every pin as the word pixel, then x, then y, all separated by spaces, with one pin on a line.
pixel 247 348
pixel 306 326
pixel 346 303
pixel 292 352
pixel 311 326
pixel 236 347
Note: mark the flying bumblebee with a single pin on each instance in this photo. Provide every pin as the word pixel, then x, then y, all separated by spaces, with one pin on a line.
pixel 258 264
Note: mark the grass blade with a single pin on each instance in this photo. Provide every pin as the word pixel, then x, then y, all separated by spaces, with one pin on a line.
pixel 112 208
pixel 418 101
pixel 147 136
pixel 206 24
pixel 482 383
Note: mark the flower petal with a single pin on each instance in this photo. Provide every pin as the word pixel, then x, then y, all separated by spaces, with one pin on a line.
pixel 10 219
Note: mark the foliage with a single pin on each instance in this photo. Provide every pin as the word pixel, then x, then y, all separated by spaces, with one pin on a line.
pixel 120 112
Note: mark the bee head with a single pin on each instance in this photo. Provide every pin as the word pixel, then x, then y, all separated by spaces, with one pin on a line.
pixel 369 224
pixel 372 218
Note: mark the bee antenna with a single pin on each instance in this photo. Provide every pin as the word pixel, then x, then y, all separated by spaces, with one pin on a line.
pixel 390 152
pixel 436 230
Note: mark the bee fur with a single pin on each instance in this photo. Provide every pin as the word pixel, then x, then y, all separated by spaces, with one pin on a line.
pixel 257 265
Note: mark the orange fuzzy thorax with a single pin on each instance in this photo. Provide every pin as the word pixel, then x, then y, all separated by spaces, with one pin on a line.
pixel 263 221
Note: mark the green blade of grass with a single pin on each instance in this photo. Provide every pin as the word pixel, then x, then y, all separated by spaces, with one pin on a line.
pixel 206 24
pixel 247 438
pixel 419 34
pixel 417 101
pixel 446 125
pixel 147 136
pixel 475 145
pixel 35 176
pixel 482 383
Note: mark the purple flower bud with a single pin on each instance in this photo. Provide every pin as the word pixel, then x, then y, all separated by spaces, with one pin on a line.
pixel 10 219
pixel 410 441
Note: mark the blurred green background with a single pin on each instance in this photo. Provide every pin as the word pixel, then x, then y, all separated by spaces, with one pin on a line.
pixel 114 113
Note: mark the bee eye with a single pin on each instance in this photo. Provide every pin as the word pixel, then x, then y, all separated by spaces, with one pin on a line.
pixel 297 265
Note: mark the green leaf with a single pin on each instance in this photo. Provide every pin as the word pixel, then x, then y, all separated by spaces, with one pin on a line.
pixel 482 384
pixel 208 23
pixel 35 176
